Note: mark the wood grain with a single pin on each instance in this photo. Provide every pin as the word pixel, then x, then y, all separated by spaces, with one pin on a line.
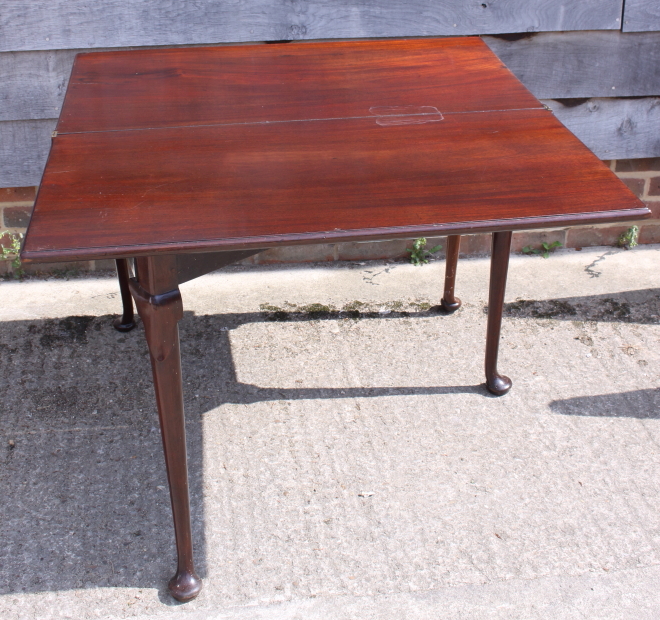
pixel 296 81
pixel 559 63
pixel 616 128
pixel 24 147
pixel 641 16
pixel 126 193
pixel 613 128
pixel 74 24
pixel 562 65
pixel 551 65
pixel 33 84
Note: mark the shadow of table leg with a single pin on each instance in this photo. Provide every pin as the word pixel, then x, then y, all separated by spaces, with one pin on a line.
pixel 499 265
pixel 160 307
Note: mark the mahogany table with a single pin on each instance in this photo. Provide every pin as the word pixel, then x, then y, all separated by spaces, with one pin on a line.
pixel 189 159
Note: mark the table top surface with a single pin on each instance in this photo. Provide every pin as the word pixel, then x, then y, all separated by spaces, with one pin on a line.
pixel 251 146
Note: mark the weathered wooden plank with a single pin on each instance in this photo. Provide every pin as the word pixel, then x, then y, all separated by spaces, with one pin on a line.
pixel 24 147
pixel 70 24
pixel 558 65
pixel 613 128
pixel 33 83
pixel 641 15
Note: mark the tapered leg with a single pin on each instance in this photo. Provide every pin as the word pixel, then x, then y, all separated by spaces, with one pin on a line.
pixel 449 302
pixel 160 307
pixel 499 265
pixel 127 321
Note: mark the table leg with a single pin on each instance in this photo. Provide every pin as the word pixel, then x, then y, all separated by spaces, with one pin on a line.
pixel 160 307
pixel 499 265
pixel 127 321
pixel 450 303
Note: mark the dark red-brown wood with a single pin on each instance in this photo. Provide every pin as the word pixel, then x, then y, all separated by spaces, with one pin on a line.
pixel 499 265
pixel 127 320
pixel 231 148
pixel 449 301
pixel 159 304
pixel 301 80
pixel 129 193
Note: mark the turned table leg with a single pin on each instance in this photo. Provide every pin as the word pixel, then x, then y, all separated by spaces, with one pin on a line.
pixel 127 321
pixel 450 303
pixel 499 265
pixel 160 307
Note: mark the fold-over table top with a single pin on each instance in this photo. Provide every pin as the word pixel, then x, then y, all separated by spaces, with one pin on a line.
pixel 250 146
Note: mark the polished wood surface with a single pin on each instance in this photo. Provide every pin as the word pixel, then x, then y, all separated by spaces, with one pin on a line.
pixel 449 301
pixel 160 307
pixel 130 193
pixel 126 322
pixel 247 147
pixel 284 82
pixel 496 383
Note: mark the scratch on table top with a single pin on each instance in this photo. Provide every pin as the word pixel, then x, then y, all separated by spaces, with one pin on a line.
pixel 290 120
pixel 152 189
pixel 405 114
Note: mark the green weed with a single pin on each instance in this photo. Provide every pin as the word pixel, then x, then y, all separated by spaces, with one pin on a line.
pixel 419 254
pixel 12 251
pixel 629 238
pixel 544 250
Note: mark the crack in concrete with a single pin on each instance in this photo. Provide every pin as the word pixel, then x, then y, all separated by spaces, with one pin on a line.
pixel 590 268
pixel 370 279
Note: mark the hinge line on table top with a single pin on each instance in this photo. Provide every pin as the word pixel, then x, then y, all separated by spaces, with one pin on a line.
pixel 293 120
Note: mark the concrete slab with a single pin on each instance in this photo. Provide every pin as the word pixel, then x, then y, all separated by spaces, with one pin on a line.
pixel 346 461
